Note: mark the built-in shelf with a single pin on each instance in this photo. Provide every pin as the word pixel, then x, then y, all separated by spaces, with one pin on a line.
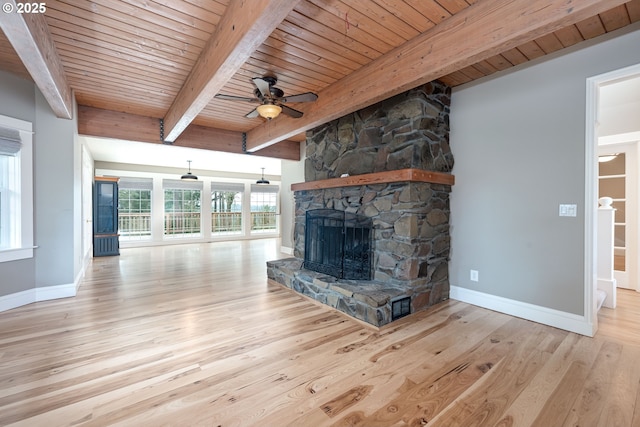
pixel 402 175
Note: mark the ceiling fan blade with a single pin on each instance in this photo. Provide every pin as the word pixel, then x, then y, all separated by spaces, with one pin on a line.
pixel 302 97
pixel 236 98
pixel 252 114
pixel 263 86
pixel 291 112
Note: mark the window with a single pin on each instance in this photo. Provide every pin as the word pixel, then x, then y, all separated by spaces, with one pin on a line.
pixel 226 208
pixel 134 208
pixel 16 190
pixel 182 207
pixel 264 202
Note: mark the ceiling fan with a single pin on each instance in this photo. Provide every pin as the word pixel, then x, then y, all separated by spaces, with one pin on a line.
pixel 271 99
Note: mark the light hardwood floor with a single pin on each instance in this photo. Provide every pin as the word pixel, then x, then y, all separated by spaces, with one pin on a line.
pixel 195 335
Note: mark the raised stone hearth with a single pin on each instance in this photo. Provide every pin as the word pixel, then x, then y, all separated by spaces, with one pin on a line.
pixel 391 163
pixel 369 301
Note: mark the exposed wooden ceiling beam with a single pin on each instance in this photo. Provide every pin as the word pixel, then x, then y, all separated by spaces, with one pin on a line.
pixel 132 127
pixel 244 27
pixel 29 35
pixel 474 34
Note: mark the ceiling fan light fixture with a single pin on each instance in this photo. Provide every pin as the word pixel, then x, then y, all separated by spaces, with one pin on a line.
pixel 269 111
pixel 262 181
pixel 189 176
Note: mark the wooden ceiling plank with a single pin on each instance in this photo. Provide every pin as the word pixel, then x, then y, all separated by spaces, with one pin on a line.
pixel 29 35
pixel 375 20
pixel 633 9
pixel 183 12
pixel 85 13
pixel 307 56
pixel 431 9
pixel 499 62
pixel 308 51
pixel 591 27
pixel 453 6
pixel 514 56
pixel 476 33
pixel 126 70
pixel 406 13
pixel 569 36
pixel 615 18
pixel 455 79
pixel 133 14
pixel 106 44
pixel 127 108
pixel 277 60
pixel 9 60
pixel 549 43
pixel 292 26
pixel 78 72
pixel 531 50
pixel 390 20
pixel 244 27
pixel 472 72
pixel 344 20
pixel 301 18
pixel 116 38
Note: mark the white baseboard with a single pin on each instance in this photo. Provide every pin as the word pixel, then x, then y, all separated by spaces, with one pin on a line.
pixel 8 302
pixel 547 316
pixel 286 250
pixel 609 287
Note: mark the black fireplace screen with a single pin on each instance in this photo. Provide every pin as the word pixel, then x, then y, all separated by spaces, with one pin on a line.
pixel 338 243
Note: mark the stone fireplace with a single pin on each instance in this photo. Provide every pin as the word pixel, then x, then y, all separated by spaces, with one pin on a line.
pixel 390 164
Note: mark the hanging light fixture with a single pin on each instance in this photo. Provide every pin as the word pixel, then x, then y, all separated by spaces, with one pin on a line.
pixel 607 157
pixel 262 181
pixel 189 176
pixel 269 111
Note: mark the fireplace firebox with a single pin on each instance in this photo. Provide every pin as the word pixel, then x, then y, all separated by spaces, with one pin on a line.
pixel 338 244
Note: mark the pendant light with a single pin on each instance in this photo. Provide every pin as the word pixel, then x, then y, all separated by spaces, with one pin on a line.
pixel 189 176
pixel 262 181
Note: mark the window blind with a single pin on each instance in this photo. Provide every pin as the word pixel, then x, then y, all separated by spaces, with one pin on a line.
pixel 10 141
pixel 126 183
pixel 227 186
pixel 262 188
pixel 177 184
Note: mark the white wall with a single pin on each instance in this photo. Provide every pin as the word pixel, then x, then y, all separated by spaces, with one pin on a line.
pixel 619 107
pixel 292 173
pixel 518 140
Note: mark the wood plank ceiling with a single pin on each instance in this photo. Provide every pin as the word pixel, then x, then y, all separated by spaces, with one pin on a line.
pixel 133 58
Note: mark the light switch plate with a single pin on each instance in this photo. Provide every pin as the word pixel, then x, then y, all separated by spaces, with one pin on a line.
pixel 568 210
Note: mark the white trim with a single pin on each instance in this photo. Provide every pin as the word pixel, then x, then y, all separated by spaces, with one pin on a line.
pixel 47 293
pixel 286 250
pixel 11 301
pixel 547 316
pixel 591 205
pixel 16 254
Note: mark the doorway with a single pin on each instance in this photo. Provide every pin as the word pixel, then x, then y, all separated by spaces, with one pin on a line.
pixel 618 179
pixel 597 122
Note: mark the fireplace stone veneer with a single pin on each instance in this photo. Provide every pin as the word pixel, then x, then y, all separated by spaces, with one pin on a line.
pixel 391 163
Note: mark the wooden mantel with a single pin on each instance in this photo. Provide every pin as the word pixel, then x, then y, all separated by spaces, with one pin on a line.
pixel 402 175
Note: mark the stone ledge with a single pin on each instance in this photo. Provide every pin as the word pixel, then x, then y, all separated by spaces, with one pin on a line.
pixel 369 301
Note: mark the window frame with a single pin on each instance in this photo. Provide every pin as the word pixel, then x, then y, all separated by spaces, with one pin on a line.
pixel 175 185
pixel 22 224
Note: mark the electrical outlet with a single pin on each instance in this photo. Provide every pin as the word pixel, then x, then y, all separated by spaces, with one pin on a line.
pixel 474 275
